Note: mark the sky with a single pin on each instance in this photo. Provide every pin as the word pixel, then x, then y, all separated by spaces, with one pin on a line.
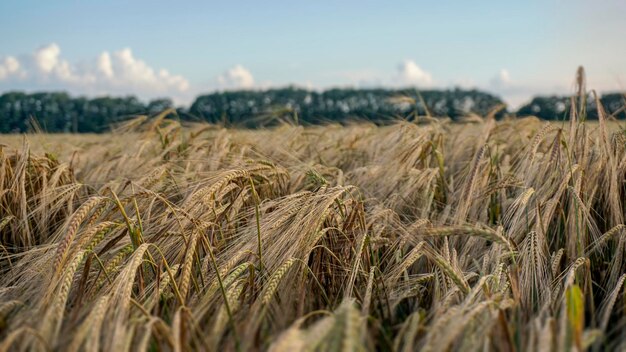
pixel 180 49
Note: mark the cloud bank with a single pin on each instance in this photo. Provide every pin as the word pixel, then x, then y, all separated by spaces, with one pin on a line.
pixel 237 77
pixel 111 73
pixel 410 74
pixel 9 66
pixel 119 72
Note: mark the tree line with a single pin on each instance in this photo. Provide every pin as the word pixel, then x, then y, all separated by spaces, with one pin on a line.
pixel 59 112
pixel 558 107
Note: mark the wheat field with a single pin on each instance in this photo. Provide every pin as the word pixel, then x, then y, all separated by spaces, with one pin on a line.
pixel 426 235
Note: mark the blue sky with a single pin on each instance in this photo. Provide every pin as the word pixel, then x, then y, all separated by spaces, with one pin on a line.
pixel 180 49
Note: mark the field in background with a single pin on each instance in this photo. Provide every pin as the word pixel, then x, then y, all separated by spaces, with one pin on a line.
pixel 492 235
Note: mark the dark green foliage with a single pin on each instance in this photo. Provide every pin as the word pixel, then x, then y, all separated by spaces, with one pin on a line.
pixel 58 112
pixel 558 107
pixel 338 105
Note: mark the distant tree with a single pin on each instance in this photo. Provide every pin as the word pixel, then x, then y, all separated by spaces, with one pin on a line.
pixel 614 104
pixel 558 107
pixel 158 105
pixel 548 108
pixel 58 112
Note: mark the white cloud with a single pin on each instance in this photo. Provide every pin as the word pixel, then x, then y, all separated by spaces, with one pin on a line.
pixel 517 93
pixel 117 73
pixel 409 73
pixel 9 66
pixel 130 71
pixel 237 77
pixel 501 79
pixel 514 93
pixel 47 57
pixel 104 64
